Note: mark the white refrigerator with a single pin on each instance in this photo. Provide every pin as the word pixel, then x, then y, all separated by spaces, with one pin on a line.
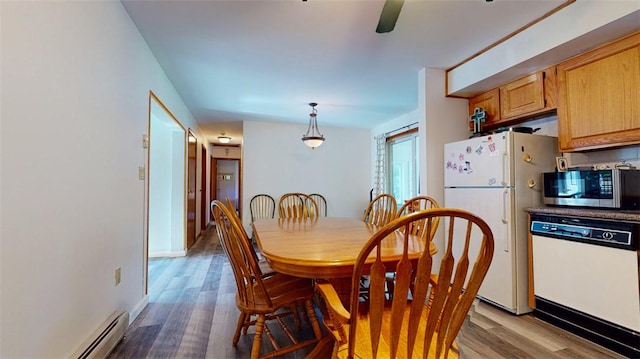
pixel 496 177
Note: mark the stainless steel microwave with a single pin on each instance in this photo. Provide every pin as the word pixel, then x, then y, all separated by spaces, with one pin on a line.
pixel 609 188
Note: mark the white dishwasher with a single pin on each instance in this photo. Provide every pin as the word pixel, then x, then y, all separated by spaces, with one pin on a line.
pixel 586 278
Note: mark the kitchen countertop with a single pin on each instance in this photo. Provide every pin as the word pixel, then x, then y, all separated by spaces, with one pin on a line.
pixel 622 215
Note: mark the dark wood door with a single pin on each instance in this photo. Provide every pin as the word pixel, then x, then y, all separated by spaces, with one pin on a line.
pixel 191 189
pixel 214 182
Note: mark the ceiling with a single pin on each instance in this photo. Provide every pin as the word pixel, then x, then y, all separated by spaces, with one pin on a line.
pixel 266 60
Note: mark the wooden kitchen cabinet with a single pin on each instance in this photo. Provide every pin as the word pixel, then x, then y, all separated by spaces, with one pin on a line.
pixel 530 95
pixel 517 101
pixel 490 102
pixel 599 97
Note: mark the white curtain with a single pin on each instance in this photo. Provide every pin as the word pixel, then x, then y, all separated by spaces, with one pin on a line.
pixel 380 175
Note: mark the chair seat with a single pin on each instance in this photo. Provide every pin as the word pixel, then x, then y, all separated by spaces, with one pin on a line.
pixel 363 343
pixel 282 290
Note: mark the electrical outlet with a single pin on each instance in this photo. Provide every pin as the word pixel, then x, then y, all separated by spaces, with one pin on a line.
pixel 117 276
pixel 140 172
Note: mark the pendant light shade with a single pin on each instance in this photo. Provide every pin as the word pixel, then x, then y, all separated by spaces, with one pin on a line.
pixel 223 139
pixel 313 138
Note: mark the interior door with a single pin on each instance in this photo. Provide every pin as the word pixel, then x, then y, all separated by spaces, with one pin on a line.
pixel 191 189
pixel 212 183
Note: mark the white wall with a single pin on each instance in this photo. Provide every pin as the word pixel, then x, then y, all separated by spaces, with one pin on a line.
pixel 279 162
pixel 76 78
pixel 446 120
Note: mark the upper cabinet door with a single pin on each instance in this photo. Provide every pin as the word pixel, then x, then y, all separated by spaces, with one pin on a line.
pixel 599 97
pixel 522 96
pixel 490 102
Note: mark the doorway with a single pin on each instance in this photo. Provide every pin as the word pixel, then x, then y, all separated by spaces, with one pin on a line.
pixel 166 183
pixel 226 181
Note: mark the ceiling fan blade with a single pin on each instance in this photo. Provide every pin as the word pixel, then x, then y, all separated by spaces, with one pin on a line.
pixel 389 15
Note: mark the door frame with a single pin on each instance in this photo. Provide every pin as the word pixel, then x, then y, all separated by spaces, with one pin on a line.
pixel 146 143
pixel 203 190
pixel 192 184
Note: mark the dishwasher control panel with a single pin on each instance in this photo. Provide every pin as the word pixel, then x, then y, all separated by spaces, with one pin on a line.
pixel 608 233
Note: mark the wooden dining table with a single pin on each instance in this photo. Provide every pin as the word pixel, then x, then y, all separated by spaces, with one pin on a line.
pixel 323 247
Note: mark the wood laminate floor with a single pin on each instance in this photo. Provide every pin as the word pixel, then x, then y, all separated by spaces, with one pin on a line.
pixel 192 314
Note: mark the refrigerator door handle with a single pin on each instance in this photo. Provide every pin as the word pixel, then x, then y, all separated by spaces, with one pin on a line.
pixel 505 159
pixel 505 198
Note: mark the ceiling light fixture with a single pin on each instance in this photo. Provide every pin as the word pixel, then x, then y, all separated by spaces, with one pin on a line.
pixel 313 138
pixel 223 138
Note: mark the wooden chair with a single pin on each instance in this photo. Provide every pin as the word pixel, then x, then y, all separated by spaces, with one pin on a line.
pixel 416 204
pixel 264 266
pixel 381 210
pixel 297 205
pixel 424 316
pixel 418 228
pixel 262 206
pixel 269 298
pixel 321 202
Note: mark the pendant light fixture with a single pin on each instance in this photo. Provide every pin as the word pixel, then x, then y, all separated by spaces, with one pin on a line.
pixel 224 139
pixel 313 138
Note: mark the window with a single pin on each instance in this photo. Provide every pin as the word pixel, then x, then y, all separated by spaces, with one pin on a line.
pixel 403 171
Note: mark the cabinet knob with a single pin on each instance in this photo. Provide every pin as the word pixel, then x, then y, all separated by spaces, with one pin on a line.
pixel 531 183
pixel 527 158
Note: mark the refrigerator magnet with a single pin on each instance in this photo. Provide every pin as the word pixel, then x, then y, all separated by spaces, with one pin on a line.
pixel 467 167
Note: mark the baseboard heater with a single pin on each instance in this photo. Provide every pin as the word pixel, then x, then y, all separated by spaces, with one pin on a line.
pixel 105 338
pixel 609 335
